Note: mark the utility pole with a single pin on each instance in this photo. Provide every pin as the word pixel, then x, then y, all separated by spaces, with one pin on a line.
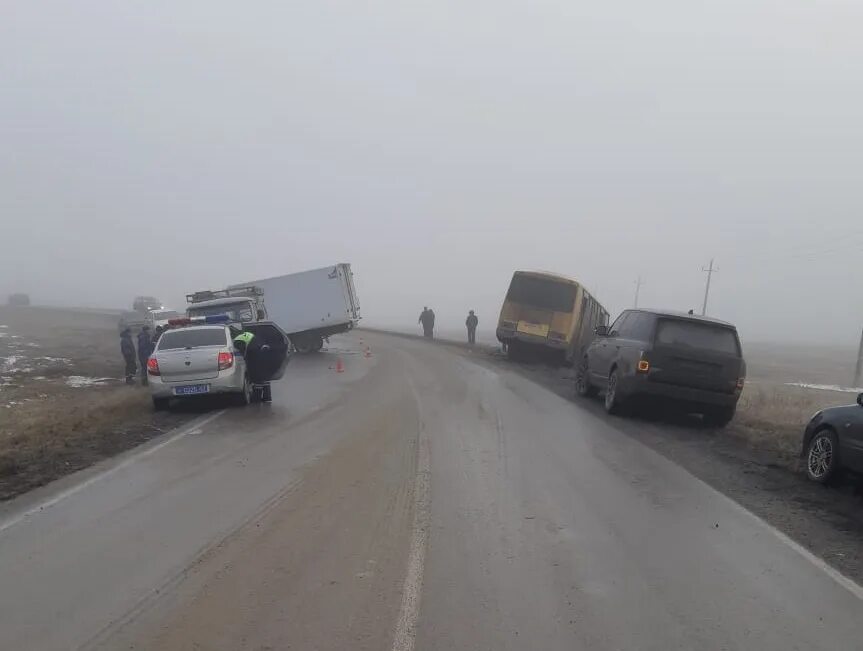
pixel 638 285
pixel 859 370
pixel 710 271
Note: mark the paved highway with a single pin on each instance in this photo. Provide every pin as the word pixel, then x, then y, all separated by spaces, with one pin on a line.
pixel 420 499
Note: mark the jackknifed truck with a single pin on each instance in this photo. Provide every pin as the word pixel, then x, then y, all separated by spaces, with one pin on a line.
pixel 309 305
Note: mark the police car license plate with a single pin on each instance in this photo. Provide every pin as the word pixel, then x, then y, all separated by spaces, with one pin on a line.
pixel 191 390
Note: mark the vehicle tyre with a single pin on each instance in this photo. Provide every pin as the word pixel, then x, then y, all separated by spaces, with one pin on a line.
pixel 613 403
pixel 718 416
pixel 583 387
pixel 822 457
pixel 245 397
pixel 303 345
pixel 317 344
pixel 267 394
pixel 161 404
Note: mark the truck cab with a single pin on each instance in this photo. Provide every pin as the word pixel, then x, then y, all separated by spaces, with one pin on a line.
pixel 242 304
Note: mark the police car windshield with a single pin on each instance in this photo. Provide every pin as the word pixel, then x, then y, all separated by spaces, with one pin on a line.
pixel 175 339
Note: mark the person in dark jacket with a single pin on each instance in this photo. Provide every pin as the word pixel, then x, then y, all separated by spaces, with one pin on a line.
pixel 427 320
pixel 127 348
pixel 145 349
pixel 471 322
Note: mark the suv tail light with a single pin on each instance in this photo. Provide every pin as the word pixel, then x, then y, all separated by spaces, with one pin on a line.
pixel 740 382
pixel 153 366
pixel 226 360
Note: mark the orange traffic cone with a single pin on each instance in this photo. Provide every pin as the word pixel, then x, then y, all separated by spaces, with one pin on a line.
pixel 368 352
pixel 340 366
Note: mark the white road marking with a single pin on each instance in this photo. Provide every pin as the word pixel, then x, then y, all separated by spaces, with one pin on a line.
pixel 194 428
pixel 849 584
pixel 405 633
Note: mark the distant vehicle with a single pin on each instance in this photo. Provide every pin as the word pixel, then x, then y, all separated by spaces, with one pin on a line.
pixel 833 442
pixel 160 317
pixel 18 299
pixel 199 360
pixel 548 311
pixel 146 303
pixel 693 362
pixel 309 305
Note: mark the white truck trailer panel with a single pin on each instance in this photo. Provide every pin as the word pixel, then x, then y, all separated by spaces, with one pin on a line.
pixel 318 299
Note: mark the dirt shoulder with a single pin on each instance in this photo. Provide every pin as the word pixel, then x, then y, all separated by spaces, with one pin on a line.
pixel 63 404
pixel 753 461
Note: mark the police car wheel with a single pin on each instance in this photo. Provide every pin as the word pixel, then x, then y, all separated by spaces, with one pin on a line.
pixel 245 397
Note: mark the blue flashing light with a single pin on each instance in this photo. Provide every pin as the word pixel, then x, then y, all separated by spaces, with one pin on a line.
pixel 217 318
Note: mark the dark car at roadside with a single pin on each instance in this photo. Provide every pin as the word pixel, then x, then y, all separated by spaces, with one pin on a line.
pixel 684 361
pixel 833 442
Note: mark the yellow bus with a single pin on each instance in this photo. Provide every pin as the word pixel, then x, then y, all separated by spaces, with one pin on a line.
pixel 547 311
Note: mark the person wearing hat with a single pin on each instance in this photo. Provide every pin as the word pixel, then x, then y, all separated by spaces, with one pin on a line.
pixel 471 322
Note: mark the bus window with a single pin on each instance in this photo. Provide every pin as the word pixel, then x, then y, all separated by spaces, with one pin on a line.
pixel 542 293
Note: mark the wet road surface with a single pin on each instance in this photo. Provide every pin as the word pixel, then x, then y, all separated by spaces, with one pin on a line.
pixel 416 500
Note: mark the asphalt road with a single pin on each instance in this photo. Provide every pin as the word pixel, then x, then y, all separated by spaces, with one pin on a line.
pixel 417 500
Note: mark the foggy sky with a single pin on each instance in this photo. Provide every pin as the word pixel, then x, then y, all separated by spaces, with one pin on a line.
pixel 163 147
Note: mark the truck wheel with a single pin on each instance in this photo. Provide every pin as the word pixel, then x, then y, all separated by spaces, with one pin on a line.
pixel 317 344
pixel 303 345
pixel 161 404
pixel 267 394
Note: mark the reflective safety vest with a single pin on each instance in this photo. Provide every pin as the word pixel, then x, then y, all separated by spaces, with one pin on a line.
pixel 245 338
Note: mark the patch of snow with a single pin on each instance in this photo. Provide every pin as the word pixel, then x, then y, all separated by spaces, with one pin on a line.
pixel 3 326
pixel 824 387
pixel 53 360
pixel 29 343
pixel 9 362
pixel 79 381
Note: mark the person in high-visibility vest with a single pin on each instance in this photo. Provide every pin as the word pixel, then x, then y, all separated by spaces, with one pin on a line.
pixel 252 349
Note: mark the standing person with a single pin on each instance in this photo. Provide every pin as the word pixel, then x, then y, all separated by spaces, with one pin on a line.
pixel 431 323
pixel 424 319
pixel 145 349
pixel 127 348
pixel 471 322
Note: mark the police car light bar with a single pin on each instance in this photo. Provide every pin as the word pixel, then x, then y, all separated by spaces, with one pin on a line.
pixel 199 320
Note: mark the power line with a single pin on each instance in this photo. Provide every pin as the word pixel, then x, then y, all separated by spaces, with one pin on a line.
pixel 638 285
pixel 710 271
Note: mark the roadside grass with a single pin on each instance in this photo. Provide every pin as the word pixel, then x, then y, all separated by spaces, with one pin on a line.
pixel 41 440
pixel 771 417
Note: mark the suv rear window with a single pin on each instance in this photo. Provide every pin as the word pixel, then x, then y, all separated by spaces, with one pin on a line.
pixel 542 293
pixel 701 336
pixel 174 339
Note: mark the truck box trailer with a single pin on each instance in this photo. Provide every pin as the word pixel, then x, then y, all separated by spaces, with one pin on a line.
pixel 309 305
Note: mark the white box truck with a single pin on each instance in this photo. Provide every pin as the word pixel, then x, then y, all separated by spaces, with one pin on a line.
pixel 309 306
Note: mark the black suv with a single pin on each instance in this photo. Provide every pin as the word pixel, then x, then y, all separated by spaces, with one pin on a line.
pixel 692 361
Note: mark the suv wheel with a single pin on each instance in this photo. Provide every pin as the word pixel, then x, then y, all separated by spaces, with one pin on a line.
pixel 822 457
pixel 583 387
pixel 718 416
pixel 613 403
